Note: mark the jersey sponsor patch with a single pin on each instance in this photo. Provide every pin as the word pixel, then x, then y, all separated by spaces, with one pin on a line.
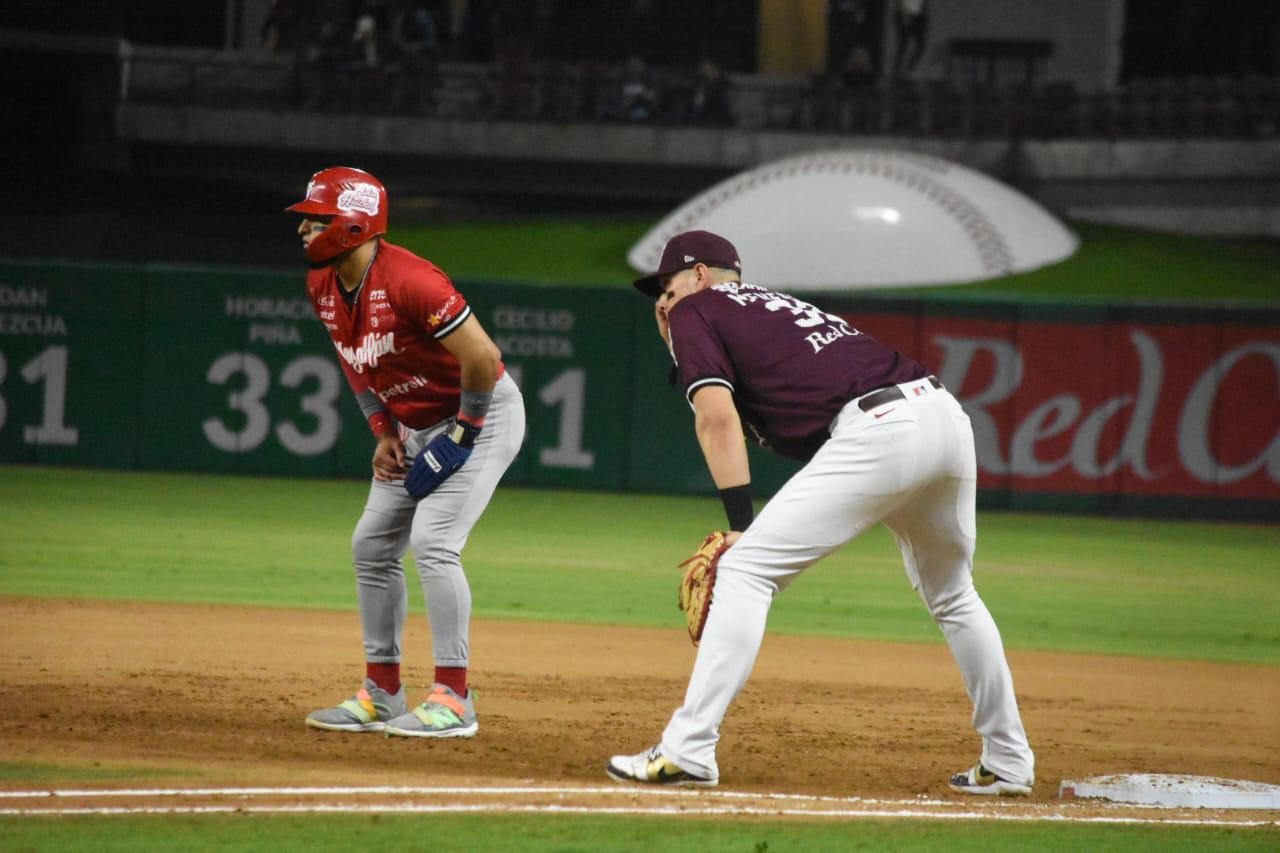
pixel 453 324
pixel 437 316
pixel 371 348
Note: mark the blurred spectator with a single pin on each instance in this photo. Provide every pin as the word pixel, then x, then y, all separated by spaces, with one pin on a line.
pixel 379 10
pixel 639 97
pixel 327 62
pixel 643 22
pixel 911 23
pixel 330 49
pixel 476 32
pixel 414 34
pixel 824 104
pixel 544 27
pixel 710 101
pixel 634 98
pixel 367 39
pixel 415 44
pixel 850 24
pixel 513 27
pixel 280 30
pixel 859 69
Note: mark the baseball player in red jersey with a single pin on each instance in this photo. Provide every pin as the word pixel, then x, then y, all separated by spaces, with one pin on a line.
pixel 448 422
pixel 882 441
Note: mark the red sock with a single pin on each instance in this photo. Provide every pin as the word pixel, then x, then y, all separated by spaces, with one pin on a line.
pixel 453 677
pixel 385 675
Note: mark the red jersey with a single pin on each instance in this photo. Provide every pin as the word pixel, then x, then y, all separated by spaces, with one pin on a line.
pixel 388 338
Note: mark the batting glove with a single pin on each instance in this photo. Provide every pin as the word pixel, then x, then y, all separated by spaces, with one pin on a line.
pixel 436 462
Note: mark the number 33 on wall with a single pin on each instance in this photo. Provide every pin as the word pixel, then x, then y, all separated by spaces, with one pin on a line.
pixel 320 403
pixel 567 391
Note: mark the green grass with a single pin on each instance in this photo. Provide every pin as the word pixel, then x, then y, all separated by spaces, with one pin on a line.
pixel 589 833
pixel 1112 263
pixel 550 251
pixel 48 774
pixel 1138 587
pixel 1122 263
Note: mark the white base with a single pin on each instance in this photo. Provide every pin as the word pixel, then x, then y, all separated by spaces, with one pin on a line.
pixel 1175 791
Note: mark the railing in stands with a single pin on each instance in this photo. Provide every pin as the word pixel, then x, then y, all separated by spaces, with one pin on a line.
pixel 584 92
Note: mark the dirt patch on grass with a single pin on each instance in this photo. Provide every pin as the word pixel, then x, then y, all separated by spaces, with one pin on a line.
pixel 218 695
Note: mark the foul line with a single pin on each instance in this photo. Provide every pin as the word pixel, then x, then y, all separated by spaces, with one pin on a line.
pixel 625 790
pixel 870 808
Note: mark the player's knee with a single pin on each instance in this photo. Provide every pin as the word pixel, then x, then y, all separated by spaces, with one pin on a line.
pixel 372 554
pixel 436 559
pixel 742 580
pixel 950 604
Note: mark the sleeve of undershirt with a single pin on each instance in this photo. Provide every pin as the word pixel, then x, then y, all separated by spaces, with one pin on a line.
pixel 380 420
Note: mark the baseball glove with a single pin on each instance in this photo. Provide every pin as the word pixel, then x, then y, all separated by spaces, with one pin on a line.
pixel 698 581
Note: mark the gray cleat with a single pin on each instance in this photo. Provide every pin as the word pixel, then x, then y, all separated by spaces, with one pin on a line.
pixel 444 714
pixel 367 711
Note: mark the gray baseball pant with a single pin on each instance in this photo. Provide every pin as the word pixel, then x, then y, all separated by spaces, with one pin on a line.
pixel 436 528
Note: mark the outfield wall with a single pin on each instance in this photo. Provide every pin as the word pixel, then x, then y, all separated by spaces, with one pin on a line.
pixel 1098 408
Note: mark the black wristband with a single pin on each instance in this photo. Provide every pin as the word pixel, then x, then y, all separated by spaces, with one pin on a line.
pixel 738 506
pixel 463 433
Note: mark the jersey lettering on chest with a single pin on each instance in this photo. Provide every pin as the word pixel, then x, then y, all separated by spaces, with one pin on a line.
pixel 806 316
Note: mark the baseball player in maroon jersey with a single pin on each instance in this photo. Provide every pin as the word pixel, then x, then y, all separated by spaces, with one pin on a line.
pixel 882 441
pixel 448 422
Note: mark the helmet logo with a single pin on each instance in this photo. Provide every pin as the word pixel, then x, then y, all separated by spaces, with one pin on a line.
pixel 361 197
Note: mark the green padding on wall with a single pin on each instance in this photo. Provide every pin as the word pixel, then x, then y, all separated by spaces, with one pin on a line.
pixel 240 377
pixel 70 352
pixel 230 371
pixel 665 456
pixel 569 350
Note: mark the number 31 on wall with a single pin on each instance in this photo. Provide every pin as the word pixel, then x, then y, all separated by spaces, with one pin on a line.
pixel 50 366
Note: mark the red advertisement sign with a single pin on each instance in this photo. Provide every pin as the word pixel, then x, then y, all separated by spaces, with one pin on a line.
pixel 1150 409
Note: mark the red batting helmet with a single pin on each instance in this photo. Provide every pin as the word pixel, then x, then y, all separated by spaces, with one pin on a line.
pixel 356 200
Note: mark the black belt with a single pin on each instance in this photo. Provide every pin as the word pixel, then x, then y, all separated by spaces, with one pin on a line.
pixel 867 402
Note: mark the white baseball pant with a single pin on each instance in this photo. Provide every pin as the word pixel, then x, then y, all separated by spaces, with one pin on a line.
pixel 911 464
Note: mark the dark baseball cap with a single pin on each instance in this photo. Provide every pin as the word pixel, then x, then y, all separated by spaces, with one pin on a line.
pixel 685 250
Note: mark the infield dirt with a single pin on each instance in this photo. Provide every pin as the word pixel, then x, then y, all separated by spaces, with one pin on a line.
pixel 208 695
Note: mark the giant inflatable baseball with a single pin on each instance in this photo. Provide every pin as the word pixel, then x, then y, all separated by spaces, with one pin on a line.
pixel 864 218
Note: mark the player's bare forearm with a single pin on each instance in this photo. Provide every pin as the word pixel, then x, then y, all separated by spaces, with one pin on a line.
pixel 478 356
pixel 719 431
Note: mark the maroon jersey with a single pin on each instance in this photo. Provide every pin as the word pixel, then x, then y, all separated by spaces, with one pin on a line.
pixel 791 367
pixel 388 338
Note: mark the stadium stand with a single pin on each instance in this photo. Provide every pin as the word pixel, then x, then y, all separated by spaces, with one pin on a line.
pixel 526 90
